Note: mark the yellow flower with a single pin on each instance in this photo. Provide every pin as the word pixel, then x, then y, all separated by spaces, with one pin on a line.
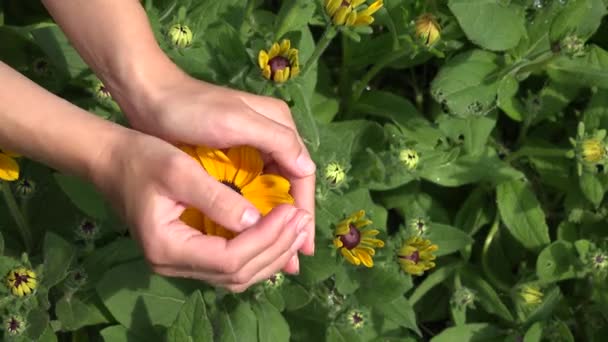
pixel 356 244
pixel 21 281
pixel 345 12
pixel 9 169
pixel 180 36
pixel 335 173
pixel 409 158
pixel 416 255
pixel 593 150
pixel 280 63
pixel 530 294
pixel 240 169
pixel 427 29
pixel 356 319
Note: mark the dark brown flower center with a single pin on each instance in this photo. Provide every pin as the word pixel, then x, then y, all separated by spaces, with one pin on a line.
pixel 415 257
pixel 357 318
pixel 351 239
pixel 14 324
pixel 88 227
pixel 278 63
pixel 345 3
pixel 232 186
pixel 20 278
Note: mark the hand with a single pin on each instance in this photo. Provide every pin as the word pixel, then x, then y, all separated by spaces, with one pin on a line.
pixel 150 182
pixel 181 109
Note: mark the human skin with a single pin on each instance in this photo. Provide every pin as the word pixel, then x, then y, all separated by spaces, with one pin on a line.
pixel 115 39
pixel 150 182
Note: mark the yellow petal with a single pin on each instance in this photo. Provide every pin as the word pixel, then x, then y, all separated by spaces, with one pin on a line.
pixel 357 3
pixel 363 20
pixel 268 191
pixel 286 73
pixel 274 51
pixel 342 229
pixel 332 6
pixel 193 218
pixel 248 164
pixel 365 258
pixel 340 16
pixel 266 72
pixel 370 232
pixel 338 243
pixel 373 8
pixel 9 169
pixel 351 18
pixel 295 71
pixel 191 151
pixel 350 257
pixel 263 59
pixel 216 163
pixel 285 46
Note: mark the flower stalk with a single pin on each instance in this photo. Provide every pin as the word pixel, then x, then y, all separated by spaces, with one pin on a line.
pixel 322 44
pixel 22 224
pixel 487 269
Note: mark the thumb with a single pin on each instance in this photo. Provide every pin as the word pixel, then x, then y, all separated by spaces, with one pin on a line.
pixel 215 200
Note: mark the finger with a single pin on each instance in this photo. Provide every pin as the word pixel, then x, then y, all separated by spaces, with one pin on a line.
pixel 292 241
pixel 281 142
pixel 190 184
pixel 293 265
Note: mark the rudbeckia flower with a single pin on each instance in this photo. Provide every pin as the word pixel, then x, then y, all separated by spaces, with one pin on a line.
pixel 21 281
pixel 427 29
pixel 416 255
pixel 593 150
pixel 9 169
pixel 351 12
pixel 357 244
pixel 280 63
pixel 240 169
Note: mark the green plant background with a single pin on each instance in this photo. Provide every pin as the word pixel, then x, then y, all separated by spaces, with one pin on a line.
pixel 489 109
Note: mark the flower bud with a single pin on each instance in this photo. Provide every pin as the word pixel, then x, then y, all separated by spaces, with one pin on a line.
pixel 15 325
pixel 180 36
pixel 409 158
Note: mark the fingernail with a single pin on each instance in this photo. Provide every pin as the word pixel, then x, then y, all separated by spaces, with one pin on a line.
pixel 305 164
pixel 250 217
pixel 303 223
pixel 299 242
pixel 297 264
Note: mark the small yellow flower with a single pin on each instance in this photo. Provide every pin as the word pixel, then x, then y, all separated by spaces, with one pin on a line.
pixel 21 281
pixel 335 174
pixel 350 12
pixel 275 280
pixel 356 319
pixel 354 243
pixel 9 169
pixel 416 255
pixel 428 29
pixel 240 169
pixel 418 225
pixel 280 63
pixel 593 150
pixel 180 36
pixel 101 92
pixel 530 294
pixel 14 325
pixel 410 158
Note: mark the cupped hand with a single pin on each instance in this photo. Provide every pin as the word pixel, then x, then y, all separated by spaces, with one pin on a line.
pixel 151 182
pixel 181 109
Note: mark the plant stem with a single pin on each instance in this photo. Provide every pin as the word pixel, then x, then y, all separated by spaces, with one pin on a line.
pixel 381 64
pixel 24 228
pixel 322 44
pixel 499 284
pixel 536 152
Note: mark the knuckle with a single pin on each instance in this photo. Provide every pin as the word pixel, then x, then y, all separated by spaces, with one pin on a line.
pixel 283 107
pixel 240 278
pixel 230 266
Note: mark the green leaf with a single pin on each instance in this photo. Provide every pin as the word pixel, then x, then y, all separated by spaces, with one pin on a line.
pixel 475 332
pixel 467 83
pixel 592 187
pixel 275 297
pixel 293 15
pixel 507 100
pixel 59 50
pixel 118 333
pixel 37 323
pixel 341 334
pixel 295 296
pixel 433 279
pixel 74 313
pixel 48 335
pixel 58 255
pixel 400 111
pixel 346 283
pixel 84 196
pixel 590 70
pixel 542 313
pixel 474 212
pixel 472 131
pixel 192 323
pixel 491 24
pixel 1 244
pixel 449 239
pixel 302 114
pixel 237 322
pixel 522 214
pixel 579 17
pixel 401 312
pixel 556 262
pixel 380 285
pixel 534 333
pixel 471 169
pixel 144 302
pixel 487 297
pixel 271 324
pixel 318 267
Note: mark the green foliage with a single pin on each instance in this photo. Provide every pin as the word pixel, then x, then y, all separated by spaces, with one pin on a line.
pixel 477 136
